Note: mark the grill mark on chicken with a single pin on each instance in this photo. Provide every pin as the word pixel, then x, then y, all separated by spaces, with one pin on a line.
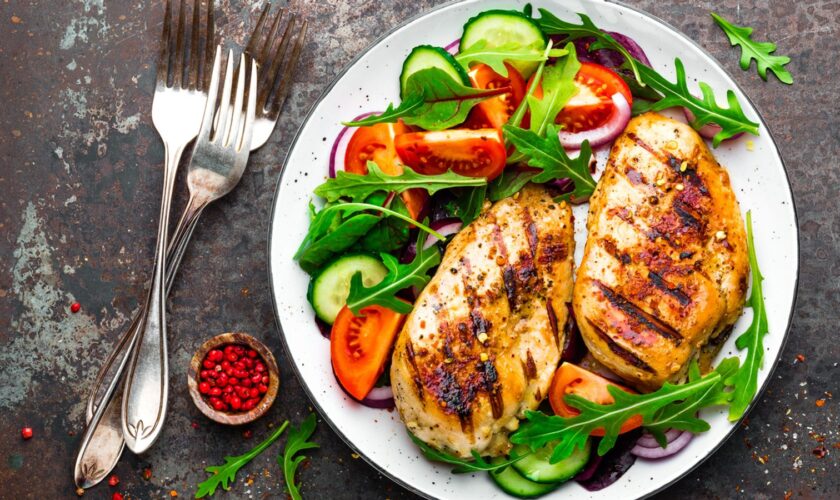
pixel 674 291
pixel 531 229
pixel 644 145
pixel 551 251
pixel 479 323
pixel 638 314
pixel 494 391
pixel 418 383
pixel 619 351
pixel 689 175
pixel 688 218
pixel 552 320
pixel 529 366
pixel 611 248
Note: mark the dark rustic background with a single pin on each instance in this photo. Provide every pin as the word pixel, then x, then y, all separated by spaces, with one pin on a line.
pixel 80 176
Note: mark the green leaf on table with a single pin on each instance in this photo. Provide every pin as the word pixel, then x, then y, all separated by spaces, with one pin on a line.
pixel 462 465
pixel 731 120
pixel 744 382
pixel 408 106
pixel 290 460
pixel 495 57
pixel 224 475
pixel 762 52
pixel 399 277
pixel 558 85
pixel 547 154
pixel 360 186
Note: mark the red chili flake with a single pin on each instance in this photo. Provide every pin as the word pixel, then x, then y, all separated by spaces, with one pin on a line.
pixel 113 480
pixel 117 496
pixel 247 434
pixel 26 433
pixel 147 473
pixel 75 307
pixel 194 425
pixel 800 358
pixel 820 403
pixel 820 451
pixel 788 495
pixel 836 445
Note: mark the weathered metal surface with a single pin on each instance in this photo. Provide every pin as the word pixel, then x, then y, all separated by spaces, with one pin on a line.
pixel 80 176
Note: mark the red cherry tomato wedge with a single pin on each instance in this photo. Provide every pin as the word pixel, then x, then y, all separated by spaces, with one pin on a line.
pixel 360 346
pixel 592 106
pixel 376 143
pixel 495 111
pixel 474 153
pixel 572 379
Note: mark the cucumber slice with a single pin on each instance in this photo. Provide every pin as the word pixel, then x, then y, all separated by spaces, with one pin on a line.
pixel 516 484
pixel 330 289
pixel 427 56
pixel 537 467
pixel 498 28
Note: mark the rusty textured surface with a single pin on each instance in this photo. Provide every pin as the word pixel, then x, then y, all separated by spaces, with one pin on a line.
pixel 80 179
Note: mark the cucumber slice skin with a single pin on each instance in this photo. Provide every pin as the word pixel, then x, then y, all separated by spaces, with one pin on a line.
pixel 329 290
pixel 514 483
pixel 498 27
pixel 536 467
pixel 428 56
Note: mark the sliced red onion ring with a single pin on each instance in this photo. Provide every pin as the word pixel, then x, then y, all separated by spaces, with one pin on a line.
pixel 380 398
pixel 452 48
pixel 339 147
pixel 323 327
pixel 648 441
pixel 708 131
pixel 446 227
pixel 632 47
pixel 673 447
pixel 606 132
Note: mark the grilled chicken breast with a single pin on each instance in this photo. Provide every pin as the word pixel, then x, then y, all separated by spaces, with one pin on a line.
pixel 482 343
pixel 665 265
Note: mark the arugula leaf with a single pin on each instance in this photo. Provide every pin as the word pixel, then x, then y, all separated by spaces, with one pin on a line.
pixel 391 233
pixel 225 474
pixel 330 232
pixel 572 432
pixel 360 186
pixel 408 106
pixel 510 181
pixel 296 443
pixel 399 277
pixel 469 203
pixel 558 83
pixel 553 25
pixel 519 113
pixel 762 52
pixel 435 101
pixel 547 154
pixel 745 380
pixel 732 120
pixel 462 466
pixel 495 57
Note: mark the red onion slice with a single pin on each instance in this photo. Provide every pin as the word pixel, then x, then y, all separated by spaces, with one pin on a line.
pixel 648 441
pixel 339 147
pixel 656 453
pixel 381 398
pixel 446 227
pixel 323 327
pixel 709 130
pixel 452 48
pixel 606 132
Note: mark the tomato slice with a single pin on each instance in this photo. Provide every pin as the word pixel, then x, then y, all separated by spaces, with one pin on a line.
pixel 376 143
pixel 592 106
pixel 360 346
pixel 496 111
pixel 572 379
pixel 474 153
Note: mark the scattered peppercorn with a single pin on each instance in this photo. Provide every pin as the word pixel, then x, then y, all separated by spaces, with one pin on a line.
pixel 75 307
pixel 820 403
pixel 147 473
pixel 820 451
pixel 233 378
pixel 800 358
pixel 247 434
pixel 194 425
pixel 117 496
pixel 113 480
pixel 80 491
pixel 173 493
pixel 26 433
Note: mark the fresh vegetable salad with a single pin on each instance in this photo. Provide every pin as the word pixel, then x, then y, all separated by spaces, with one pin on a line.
pixel 521 97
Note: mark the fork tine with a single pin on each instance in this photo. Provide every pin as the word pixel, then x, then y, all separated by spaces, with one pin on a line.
pixel 212 95
pixel 250 113
pixel 163 56
pixel 269 77
pixel 209 43
pixel 255 37
pixel 269 40
pixel 279 97
pixel 195 49
pixel 179 48
pixel 232 132
pixel 224 106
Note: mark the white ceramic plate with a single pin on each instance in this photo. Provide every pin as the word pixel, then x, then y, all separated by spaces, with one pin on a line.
pixel 368 84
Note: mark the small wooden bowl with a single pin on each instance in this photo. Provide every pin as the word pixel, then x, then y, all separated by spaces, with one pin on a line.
pixel 267 399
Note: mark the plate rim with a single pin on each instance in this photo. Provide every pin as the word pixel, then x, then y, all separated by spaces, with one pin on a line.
pixel 421 15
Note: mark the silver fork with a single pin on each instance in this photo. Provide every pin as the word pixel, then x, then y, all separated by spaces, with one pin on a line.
pixel 271 52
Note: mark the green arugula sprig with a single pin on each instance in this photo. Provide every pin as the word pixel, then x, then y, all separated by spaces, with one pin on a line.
pixel 706 110
pixel 558 84
pixel 224 475
pixel 290 460
pixel 337 227
pixel 547 155
pixel 762 52
pixel 434 101
pixel 399 277
pixel 360 186
pixel 495 57
pixel 744 382
pixel 519 113
pixel 463 466
pixel 469 202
